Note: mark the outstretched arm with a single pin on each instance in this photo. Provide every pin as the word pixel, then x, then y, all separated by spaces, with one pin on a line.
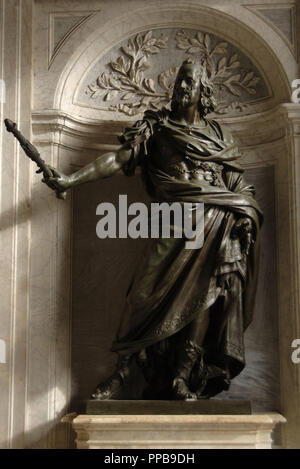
pixel 104 166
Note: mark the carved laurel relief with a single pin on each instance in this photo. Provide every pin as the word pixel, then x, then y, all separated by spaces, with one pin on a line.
pixel 130 90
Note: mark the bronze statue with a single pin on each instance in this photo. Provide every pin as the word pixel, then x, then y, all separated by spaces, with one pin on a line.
pixel 186 309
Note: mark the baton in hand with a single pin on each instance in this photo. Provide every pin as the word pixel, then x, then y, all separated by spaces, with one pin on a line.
pixel 34 155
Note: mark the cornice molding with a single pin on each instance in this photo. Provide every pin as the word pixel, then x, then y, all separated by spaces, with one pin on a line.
pixel 251 131
pixel 291 114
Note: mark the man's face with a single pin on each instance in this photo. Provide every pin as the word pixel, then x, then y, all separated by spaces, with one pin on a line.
pixel 187 87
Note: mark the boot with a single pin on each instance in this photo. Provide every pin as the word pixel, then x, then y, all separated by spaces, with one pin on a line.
pixel 111 387
pixel 189 356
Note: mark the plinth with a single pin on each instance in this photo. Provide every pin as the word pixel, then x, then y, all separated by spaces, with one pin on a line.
pixel 173 425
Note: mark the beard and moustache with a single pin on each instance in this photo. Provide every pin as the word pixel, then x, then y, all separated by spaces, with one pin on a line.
pixel 182 98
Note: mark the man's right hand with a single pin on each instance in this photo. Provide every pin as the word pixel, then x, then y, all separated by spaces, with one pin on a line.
pixel 58 181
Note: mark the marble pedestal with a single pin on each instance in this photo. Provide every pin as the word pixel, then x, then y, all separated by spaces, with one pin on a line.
pixel 175 431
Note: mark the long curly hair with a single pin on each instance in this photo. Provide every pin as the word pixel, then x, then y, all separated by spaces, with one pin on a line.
pixel 207 102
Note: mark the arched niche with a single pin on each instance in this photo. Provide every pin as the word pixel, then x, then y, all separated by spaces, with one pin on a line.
pixel 103 40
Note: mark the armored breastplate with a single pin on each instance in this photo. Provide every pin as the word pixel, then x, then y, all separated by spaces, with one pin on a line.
pixel 208 172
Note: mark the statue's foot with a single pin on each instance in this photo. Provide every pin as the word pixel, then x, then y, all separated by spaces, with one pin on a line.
pixel 108 389
pixel 181 390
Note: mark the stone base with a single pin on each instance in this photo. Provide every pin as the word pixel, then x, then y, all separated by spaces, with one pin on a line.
pixel 175 431
pixel 140 407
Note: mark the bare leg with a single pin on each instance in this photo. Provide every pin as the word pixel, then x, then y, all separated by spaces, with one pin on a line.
pixel 189 350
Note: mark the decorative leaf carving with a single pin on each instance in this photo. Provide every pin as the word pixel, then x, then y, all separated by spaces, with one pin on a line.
pixel 221 70
pixel 128 78
pixel 136 92
pixel 234 106
pixel 162 78
pixel 128 96
pixel 149 85
pixel 207 41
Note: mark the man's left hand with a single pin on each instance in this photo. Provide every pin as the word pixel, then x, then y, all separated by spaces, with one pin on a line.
pixel 243 230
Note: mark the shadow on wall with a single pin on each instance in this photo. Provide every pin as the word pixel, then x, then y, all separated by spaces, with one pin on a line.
pixel 44 435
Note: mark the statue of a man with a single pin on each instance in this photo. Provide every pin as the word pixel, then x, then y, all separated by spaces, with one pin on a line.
pixel 186 309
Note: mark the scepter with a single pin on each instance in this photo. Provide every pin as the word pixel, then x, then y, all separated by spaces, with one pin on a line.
pixel 34 155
